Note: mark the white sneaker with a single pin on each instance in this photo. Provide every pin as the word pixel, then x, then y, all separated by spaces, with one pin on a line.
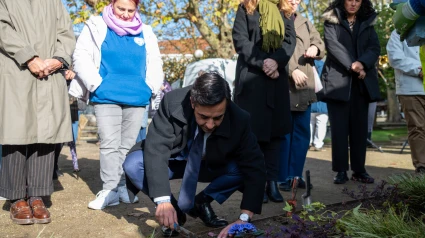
pixel 122 191
pixel 3 199
pixel 104 198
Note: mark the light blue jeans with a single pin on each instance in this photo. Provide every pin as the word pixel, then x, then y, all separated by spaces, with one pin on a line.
pixel 142 132
pixel 118 127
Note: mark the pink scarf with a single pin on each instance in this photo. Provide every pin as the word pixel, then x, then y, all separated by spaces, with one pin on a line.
pixel 121 27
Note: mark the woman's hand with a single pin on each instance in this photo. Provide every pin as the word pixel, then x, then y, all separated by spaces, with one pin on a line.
pixel 270 66
pixel 299 77
pixel 311 52
pixel 274 75
pixel 38 67
pixel 357 67
pixel 362 74
pixel 53 65
pixel 69 75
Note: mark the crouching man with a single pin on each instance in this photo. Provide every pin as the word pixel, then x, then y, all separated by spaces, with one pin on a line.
pixel 198 134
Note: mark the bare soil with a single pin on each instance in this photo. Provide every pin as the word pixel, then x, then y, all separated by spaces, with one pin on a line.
pixel 72 218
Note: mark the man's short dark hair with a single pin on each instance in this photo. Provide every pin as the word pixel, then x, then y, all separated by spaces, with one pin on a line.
pixel 210 89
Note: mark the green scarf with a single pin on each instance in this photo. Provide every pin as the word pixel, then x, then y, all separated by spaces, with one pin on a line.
pixel 271 24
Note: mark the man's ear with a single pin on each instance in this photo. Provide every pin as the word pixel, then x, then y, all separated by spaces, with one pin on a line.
pixel 191 103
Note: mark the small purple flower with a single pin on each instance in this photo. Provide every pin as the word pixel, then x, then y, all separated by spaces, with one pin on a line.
pixel 242 228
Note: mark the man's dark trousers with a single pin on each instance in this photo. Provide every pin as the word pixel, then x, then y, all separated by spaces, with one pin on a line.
pixel 221 186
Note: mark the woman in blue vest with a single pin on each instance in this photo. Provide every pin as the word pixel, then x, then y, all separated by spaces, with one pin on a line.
pixel 118 62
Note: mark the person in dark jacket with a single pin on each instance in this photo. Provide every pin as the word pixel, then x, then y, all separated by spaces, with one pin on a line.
pixel 202 119
pixel 350 82
pixel 265 43
pixel 302 94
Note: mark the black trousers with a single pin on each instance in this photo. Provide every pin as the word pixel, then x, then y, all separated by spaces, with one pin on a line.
pixel 27 170
pixel 349 121
pixel 271 151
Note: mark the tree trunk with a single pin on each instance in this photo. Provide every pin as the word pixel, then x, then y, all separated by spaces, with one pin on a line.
pixel 393 114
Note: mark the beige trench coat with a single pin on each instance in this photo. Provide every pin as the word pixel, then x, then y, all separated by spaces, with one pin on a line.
pixel 33 110
pixel 307 35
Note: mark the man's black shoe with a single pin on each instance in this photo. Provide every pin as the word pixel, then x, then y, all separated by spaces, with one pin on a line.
pixel 420 170
pixel 362 177
pixel 273 192
pixel 302 184
pixel 207 215
pixel 286 186
pixel 265 198
pixel 341 178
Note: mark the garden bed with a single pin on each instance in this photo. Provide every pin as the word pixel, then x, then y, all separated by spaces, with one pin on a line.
pixel 272 226
pixel 390 210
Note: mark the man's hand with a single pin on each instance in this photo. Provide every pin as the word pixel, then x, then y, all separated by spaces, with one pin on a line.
pixel 421 73
pixel 270 66
pixel 362 74
pixel 69 75
pixel 299 77
pixel 38 67
pixel 357 67
pixel 166 215
pixel 225 232
pixel 311 52
pixel 53 65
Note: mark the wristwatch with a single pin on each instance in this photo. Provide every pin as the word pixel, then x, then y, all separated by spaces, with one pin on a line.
pixel 244 217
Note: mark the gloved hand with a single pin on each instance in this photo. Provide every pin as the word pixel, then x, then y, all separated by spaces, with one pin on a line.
pixel 404 18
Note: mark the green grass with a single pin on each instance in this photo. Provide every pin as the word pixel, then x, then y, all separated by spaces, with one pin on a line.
pixel 412 186
pixel 389 134
pixel 385 223
pixel 385 135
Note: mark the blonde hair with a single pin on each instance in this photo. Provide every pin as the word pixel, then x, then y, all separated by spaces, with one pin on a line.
pixel 251 5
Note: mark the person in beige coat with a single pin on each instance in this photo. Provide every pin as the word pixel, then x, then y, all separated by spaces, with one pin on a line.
pixel 302 94
pixel 36 43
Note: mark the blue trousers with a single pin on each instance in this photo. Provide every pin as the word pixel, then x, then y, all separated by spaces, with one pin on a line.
pixel 295 146
pixel 221 187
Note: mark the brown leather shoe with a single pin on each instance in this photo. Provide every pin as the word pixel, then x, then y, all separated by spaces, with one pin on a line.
pixel 41 214
pixel 20 213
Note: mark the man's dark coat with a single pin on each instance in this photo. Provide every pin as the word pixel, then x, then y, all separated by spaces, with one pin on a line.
pixel 233 140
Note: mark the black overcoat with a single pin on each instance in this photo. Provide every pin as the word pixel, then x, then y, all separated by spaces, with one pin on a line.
pixel 233 140
pixel 341 50
pixel 266 99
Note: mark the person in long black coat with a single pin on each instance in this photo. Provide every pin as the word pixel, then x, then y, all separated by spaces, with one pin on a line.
pixel 350 82
pixel 264 95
